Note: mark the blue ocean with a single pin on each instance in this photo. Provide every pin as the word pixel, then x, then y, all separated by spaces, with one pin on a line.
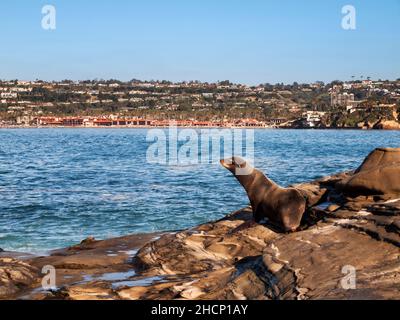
pixel 59 186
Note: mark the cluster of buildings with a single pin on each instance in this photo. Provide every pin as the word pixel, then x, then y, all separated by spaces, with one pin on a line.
pixel 112 121
pixel 341 95
pixel 153 103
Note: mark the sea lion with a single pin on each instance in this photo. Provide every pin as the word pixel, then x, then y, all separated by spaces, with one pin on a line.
pixel 284 207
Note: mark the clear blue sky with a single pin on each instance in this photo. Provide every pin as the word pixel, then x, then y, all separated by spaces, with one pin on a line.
pixel 252 41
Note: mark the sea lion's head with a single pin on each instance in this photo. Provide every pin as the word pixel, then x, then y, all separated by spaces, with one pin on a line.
pixel 238 166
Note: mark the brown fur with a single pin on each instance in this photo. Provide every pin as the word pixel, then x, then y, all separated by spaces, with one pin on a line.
pixel 282 206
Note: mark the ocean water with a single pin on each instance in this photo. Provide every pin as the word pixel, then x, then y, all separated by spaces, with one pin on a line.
pixel 58 186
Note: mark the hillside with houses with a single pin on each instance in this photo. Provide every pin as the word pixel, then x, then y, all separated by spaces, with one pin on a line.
pixel 105 103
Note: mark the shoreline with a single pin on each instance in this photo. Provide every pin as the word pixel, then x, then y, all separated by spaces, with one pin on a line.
pixel 235 258
pixel 228 259
pixel 150 266
pixel 193 127
pixel 23 255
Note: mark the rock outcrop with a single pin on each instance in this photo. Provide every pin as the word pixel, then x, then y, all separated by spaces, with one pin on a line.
pixel 387 125
pixel 15 275
pixel 348 247
pixel 378 175
pixel 223 261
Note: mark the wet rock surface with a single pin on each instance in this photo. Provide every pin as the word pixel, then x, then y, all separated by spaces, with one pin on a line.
pixel 348 247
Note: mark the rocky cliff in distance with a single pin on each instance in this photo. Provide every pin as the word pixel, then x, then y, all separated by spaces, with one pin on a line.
pixel 348 247
pixel 387 125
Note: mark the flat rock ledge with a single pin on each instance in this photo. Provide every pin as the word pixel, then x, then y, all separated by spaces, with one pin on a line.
pixel 346 248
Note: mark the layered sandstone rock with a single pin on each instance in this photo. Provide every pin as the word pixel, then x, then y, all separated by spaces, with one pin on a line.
pixel 14 276
pixel 387 125
pixel 378 175
pixel 234 258
pixel 257 263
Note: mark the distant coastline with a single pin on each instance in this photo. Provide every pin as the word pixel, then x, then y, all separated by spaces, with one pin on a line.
pixel 366 104
pixel 195 127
